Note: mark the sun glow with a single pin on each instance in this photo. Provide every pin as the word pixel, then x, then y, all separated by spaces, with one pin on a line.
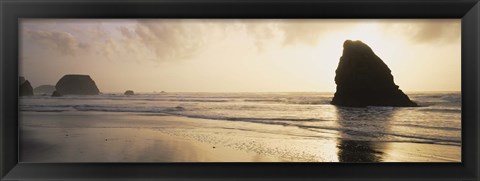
pixel 235 55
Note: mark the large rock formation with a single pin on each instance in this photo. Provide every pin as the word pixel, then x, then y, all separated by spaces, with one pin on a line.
pixel 44 89
pixel 76 85
pixel 363 79
pixel 24 87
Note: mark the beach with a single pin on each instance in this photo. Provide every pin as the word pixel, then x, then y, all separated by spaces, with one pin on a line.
pixel 244 90
pixel 53 135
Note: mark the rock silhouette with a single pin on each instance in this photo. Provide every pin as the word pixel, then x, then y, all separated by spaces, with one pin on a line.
pixel 44 89
pixel 24 87
pixel 363 79
pixel 76 85
pixel 56 94
pixel 129 92
pixel 21 80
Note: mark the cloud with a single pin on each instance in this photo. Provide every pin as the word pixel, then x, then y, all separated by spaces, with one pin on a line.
pixel 64 42
pixel 170 40
pixel 437 31
pixel 262 32
pixel 303 32
pixel 117 40
pixel 294 32
pixel 165 39
pixel 160 40
pixel 310 32
pixel 427 31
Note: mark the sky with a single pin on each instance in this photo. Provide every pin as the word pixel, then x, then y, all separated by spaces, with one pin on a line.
pixel 228 55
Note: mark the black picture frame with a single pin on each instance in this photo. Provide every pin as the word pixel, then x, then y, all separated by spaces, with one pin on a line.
pixel 13 10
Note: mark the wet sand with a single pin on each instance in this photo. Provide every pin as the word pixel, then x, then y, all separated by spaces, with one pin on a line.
pixel 123 145
pixel 124 137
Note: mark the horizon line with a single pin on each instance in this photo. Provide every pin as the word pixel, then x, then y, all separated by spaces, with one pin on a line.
pixel 262 91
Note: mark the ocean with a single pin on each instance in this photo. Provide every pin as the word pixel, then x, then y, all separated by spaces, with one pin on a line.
pixel 304 116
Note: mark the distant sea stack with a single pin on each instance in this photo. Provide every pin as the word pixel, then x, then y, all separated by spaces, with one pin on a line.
pixel 129 93
pixel 44 89
pixel 24 87
pixel 56 94
pixel 76 85
pixel 363 79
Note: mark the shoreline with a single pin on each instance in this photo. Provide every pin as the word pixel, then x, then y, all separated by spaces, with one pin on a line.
pixel 123 137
